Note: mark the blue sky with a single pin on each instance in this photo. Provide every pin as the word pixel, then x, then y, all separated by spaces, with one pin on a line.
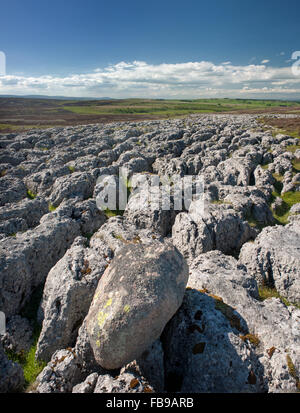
pixel 150 49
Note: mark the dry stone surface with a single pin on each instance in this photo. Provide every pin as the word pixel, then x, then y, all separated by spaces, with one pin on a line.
pixel 105 291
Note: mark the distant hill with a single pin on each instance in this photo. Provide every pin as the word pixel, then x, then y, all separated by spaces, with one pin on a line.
pixel 54 97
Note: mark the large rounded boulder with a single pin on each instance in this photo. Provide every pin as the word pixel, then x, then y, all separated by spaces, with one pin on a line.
pixel 137 295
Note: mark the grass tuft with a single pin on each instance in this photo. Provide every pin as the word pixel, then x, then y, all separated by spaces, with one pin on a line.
pixel 266 292
pixel 30 194
pixel 51 208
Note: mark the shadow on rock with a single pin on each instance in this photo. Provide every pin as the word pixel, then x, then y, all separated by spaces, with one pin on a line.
pixel 206 350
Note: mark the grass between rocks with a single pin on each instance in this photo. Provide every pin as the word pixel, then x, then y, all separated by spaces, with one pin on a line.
pixel 31 367
pixel 109 213
pixel 254 223
pixel 266 292
pixel 289 199
pixel 51 208
pixel 30 194
pixel 292 370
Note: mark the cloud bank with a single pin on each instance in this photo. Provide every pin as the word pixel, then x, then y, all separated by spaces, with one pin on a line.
pixel 179 80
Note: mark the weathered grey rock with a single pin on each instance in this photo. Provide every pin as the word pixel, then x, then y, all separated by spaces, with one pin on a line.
pixel 124 383
pixel 273 327
pixel 80 185
pixel 67 296
pixel 42 181
pixel 236 172
pixel 61 166
pixel 295 209
pixel 204 352
pixel 61 374
pixel 85 352
pixel 151 366
pixel 117 232
pixel 144 214
pixel 87 386
pixel 11 374
pixel 217 227
pixel 274 259
pixel 214 271
pixel 263 178
pixel 19 335
pixel 26 259
pixel 118 312
pixel 23 215
pixel 11 190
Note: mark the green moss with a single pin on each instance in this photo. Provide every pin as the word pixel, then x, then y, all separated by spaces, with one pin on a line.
pixel 254 223
pixel 30 194
pixel 89 235
pixel 296 165
pixel 266 292
pixel 292 148
pixel 119 237
pixel 289 199
pixel 51 207
pixel 71 168
pixel 109 213
pixel 31 367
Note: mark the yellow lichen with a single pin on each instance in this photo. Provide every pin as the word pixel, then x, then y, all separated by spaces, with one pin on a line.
pixel 108 303
pixel 101 318
pixel 98 343
pixel 96 295
pixel 126 308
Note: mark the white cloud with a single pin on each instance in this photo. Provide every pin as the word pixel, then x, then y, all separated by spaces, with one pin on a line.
pixel 182 80
pixel 265 61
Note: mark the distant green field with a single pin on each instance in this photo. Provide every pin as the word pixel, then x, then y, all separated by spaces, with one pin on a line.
pixel 21 114
pixel 174 107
